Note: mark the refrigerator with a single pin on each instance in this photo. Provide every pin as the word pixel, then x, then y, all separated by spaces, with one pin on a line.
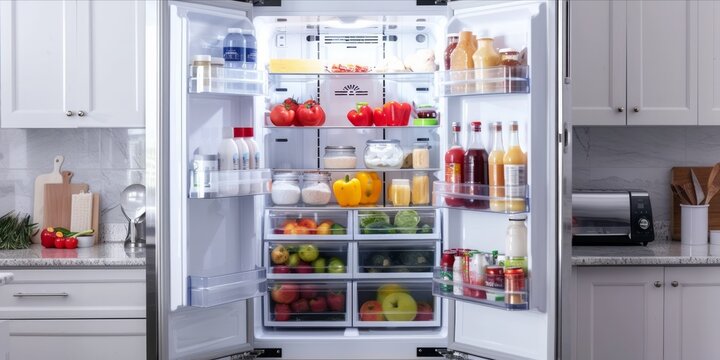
pixel 219 247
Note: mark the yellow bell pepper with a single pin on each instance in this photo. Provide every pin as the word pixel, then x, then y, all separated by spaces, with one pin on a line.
pixel 370 186
pixel 347 191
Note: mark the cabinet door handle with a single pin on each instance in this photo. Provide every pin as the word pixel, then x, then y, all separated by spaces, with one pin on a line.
pixel 635 109
pixel 68 113
pixel 621 109
pixel 674 284
pixel 657 284
pixel 81 113
pixel 60 294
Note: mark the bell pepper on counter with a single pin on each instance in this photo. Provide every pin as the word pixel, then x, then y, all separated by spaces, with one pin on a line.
pixel 370 187
pixel 347 191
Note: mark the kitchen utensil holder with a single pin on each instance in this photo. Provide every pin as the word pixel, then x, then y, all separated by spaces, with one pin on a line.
pixel 694 222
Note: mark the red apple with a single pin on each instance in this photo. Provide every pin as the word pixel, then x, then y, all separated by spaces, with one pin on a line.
pixel 424 312
pixel 281 269
pixel 284 293
pixel 308 291
pixel 300 306
pixel 371 311
pixel 336 301
pixel 318 305
pixel 304 268
pixel 282 312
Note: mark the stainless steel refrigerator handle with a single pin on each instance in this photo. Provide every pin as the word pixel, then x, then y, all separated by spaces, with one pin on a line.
pixel 60 294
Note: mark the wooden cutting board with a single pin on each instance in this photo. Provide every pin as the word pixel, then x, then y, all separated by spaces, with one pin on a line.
pixel 96 216
pixel 58 203
pixel 53 177
pixel 682 175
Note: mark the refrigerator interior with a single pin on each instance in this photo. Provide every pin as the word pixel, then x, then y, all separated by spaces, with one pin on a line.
pixel 217 287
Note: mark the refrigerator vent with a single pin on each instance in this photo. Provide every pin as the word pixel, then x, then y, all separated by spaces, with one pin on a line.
pixel 350 90
pixel 352 39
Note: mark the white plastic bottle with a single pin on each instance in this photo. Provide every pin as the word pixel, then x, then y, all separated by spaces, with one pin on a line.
pixel 244 159
pixel 228 159
pixel 254 150
pixel 516 251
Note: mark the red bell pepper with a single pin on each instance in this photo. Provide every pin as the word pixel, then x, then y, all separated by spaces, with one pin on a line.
pixel 397 114
pixel 406 111
pixel 363 117
pixel 379 117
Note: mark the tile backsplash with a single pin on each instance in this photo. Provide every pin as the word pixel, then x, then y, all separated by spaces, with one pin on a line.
pixel 106 159
pixel 641 158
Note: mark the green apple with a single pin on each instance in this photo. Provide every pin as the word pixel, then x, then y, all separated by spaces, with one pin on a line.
pixel 308 253
pixel 294 260
pixel 399 306
pixel 319 265
pixel 336 266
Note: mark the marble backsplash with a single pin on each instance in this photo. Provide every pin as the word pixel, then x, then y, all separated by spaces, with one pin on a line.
pixel 641 158
pixel 106 159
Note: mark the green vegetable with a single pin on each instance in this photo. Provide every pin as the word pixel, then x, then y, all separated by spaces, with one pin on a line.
pixel 425 229
pixel 16 232
pixel 378 228
pixel 337 229
pixel 407 221
pixel 380 260
pixel 373 216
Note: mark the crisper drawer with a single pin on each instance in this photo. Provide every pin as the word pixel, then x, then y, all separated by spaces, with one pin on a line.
pixel 61 294
pixel 393 259
pixel 395 303
pixel 397 224
pixel 308 260
pixel 307 224
pixel 308 304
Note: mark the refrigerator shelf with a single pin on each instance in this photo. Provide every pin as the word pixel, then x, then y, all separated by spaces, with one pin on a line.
pixel 228 183
pixel 309 290
pixel 486 81
pixel 420 291
pixel 357 170
pixel 407 76
pixel 333 206
pixel 327 250
pixel 483 198
pixel 269 125
pixel 414 259
pixel 207 291
pixel 227 81
pixel 448 288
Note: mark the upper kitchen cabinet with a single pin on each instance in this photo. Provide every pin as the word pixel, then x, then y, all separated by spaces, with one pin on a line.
pixel 69 64
pixel 634 62
pixel 709 62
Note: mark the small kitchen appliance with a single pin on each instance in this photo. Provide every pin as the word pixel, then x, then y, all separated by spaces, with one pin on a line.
pixel 611 217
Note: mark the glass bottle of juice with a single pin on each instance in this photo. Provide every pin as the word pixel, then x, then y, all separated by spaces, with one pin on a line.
pixel 496 173
pixel 461 61
pixel 475 167
pixel 452 44
pixel 454 159
pixel 515 166
pixel 486 58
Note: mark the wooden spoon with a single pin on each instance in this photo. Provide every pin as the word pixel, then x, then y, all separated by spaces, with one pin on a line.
pixel 680 193
pixel 713 183
pixel 690 193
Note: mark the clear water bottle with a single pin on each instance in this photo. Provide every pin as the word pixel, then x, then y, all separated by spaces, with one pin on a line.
pixel 250 50
pixel 234 48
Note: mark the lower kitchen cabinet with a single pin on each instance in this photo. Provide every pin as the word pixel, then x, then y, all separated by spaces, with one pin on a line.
pixel 635 312
pixel 77 339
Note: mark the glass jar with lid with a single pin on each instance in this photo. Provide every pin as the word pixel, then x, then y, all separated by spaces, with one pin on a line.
pixel 285 189
pixel 340 157
pixel 420 188
pixel 316 188
pixel 383 154
pixel 421 155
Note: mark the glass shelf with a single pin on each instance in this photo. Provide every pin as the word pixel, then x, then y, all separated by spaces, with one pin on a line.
pixel 269 125
pixel 227 81
pixel 207 291
pixel 484 198
pixel 355 170
pixel 228 183
pixel 489 296
pixel 394 76
pixel 487 81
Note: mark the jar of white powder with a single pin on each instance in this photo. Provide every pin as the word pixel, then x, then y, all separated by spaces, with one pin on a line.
pixel 285 189
pixel 316 188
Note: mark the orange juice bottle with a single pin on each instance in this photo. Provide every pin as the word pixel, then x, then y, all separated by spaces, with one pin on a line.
pixel 461 61
pixel 515 169
pixel 496 173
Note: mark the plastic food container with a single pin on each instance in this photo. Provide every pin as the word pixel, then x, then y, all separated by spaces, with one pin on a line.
pixel 421 155
pixel 383 154
pixel 340 157
pixel 285 189
pixel 316 188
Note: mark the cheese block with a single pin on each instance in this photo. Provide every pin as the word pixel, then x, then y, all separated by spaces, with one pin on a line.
pixel 303 66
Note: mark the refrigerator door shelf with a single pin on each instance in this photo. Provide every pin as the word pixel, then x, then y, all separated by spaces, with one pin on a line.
pixel 301 224
pixel 484 81
pixel 308 304
pixel 329 268
pixel 483 198
pixel 447 287
pixel 396 259
pixel 403 304
pixel 227 81
pixel 228 183
pixel 208 291
pixel 427 228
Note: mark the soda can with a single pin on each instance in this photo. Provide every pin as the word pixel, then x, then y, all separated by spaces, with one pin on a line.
pixel 446 269
pixel 515 293
pixel 495 277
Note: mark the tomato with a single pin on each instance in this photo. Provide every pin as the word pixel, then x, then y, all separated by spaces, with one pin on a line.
pixel 292 103
pixel 282 115
pixel 60 243
pixel 47 238
pixel 71 243
pixel 311 114
pixel 311 102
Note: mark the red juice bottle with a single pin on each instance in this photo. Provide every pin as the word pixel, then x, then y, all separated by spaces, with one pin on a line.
pixel 475 168
pixel 454 159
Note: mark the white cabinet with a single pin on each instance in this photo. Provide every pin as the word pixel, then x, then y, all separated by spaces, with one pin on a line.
pixel 619 313
pixel 709 62
pixel 634 62
pixel 72 63
pixel 692 315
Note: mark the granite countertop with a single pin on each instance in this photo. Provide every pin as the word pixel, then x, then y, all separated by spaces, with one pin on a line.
pixel 656 253
pixel 109 254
